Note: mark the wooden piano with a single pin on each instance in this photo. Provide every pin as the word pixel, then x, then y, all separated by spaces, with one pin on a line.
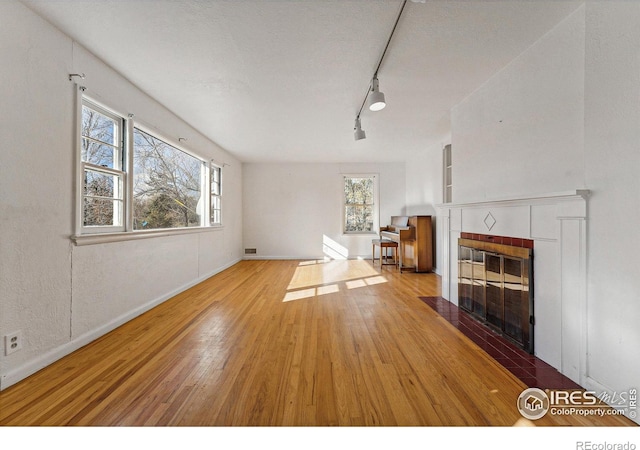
pixel 414 237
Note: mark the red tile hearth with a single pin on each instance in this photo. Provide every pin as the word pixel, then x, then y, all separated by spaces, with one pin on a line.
pixel 530 370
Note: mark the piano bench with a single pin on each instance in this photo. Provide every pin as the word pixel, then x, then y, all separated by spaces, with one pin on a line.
pixel 384 244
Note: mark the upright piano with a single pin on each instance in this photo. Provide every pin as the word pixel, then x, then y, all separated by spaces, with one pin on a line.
pixel 414 237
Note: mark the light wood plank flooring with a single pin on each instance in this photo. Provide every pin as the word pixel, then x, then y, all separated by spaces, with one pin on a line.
pixel 282 343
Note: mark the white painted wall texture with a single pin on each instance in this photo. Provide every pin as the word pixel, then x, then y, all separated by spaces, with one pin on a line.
pixel 612 160
pixel 424 191
pixel 60 295
pixel 565 116
pixel 289 208
pixel 522 132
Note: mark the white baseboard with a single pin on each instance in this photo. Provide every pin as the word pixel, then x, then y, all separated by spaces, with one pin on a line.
pixel 297 258
pixel 599 388
pixel 41 361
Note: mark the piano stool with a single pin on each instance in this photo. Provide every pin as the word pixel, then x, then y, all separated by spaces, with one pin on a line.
pixel 384 244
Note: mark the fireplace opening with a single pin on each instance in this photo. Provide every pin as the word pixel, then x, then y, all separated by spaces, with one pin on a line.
pixel 495 280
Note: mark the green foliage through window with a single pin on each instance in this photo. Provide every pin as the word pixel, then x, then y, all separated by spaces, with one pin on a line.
pixel 166 184
pixel 131 180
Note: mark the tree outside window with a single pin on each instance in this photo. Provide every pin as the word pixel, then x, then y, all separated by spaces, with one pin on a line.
pixel 166 184
pixel 130 180
pixel 360 204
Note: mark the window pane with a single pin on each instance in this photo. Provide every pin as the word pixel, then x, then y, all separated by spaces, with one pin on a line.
pixel 99 154
pixel 99 127
pixel 215 209
pixel 97 184
pixel 166 184
pixel 216 216
pixel 359 207
pixel 358 218
pixel 358 191
pixel 215 180
pixel 215 175
pixel 100 211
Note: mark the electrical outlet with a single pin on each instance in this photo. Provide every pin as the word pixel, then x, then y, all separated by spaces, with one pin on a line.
pixel 12 342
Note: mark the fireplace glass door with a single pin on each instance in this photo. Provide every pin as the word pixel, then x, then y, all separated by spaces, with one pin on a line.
pixel 494 288
pixel 495 309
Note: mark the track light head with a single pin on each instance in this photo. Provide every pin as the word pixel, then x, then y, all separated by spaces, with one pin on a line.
pixel 358 132
pixel 376 99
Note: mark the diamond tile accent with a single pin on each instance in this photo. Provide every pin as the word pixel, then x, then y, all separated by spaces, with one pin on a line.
pixel 489 221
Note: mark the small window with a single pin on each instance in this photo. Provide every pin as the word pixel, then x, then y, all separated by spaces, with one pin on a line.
pixel 360 204
pixel 446 174
pixel 216 195
pixel 166 184
pixel 102 156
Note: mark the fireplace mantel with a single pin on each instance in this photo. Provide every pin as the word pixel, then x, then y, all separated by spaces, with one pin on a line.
pixel 582 194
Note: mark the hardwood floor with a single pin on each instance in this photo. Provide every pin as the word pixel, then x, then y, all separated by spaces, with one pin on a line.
pixel 282 343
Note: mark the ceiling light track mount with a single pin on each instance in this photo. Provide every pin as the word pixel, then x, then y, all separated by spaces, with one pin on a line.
pixel 376 98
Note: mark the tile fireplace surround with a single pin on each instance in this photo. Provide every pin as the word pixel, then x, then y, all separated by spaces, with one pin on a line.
pixel 555 224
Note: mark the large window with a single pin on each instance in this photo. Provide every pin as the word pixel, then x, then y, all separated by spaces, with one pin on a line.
pixel 131 180
pixel 360 204
pixel 167 185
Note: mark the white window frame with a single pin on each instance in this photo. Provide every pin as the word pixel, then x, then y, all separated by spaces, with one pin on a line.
pixel 376 203
pixel 213 167
pixel 87 235
pixel 120 188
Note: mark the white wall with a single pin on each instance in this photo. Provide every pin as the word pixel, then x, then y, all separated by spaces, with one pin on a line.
pixel 60 295
pixel 291 209
pixel 565 116
pixel 612 160
pixel 424 191
pixel 522 132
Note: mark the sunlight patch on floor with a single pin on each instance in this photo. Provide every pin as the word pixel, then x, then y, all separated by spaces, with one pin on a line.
pixel 328 272
pixel 311 292
pixel 317 277
pixel 354 284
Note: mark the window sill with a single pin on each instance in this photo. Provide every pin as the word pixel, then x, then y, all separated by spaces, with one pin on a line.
pixel 361 233
pixel 90 239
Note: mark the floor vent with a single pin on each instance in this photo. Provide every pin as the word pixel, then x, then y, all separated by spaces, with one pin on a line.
pixel 250 251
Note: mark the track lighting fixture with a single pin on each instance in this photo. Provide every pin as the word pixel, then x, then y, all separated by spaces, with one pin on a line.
pixel 376 98
pixel 358 132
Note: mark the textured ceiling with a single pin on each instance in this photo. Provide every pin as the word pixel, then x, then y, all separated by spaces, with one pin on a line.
pixel 278 80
